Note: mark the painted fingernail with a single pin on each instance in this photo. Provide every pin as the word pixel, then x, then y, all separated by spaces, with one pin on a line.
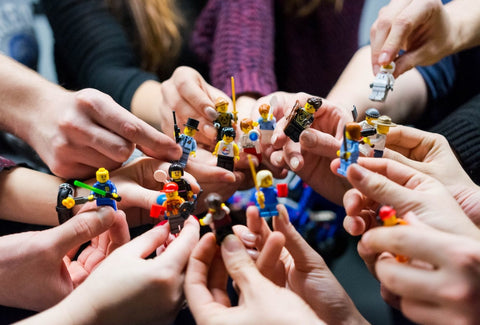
pixel 253 254
pixel 307 138
pixel 294 162
pixel 249 238
pixel 211 112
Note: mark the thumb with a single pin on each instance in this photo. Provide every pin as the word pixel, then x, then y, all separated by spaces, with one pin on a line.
pixel 240 266
pixel 83 227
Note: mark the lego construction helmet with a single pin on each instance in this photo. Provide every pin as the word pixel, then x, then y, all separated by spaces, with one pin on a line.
pixel 170 187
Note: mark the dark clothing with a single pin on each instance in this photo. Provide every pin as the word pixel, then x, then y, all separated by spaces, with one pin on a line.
pixel 93 49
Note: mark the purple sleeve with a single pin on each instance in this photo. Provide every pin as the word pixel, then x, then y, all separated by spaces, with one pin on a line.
pixel 236 38
pixel 6 163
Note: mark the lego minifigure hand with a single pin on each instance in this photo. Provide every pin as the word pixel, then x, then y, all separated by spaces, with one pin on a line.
pixel 91 197
pixel 297 266
pixel 127 288
pixel 261 301
pixel 46 258
pixel 193 153
pixel 427 30
pixel 114 195
pixel 388 182
pixel 441 282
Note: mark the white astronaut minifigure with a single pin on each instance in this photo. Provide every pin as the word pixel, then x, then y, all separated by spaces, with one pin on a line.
pixel 383 83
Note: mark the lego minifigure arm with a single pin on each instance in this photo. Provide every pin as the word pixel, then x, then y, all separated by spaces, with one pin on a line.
pixel 236 152
pixel 215 151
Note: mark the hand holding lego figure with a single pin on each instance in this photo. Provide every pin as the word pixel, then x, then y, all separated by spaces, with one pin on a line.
pixel 389 182
pixel 46 258
pixel 426 30
pixel 297 266
pixel 446 282
pixel 261 301
pixel 127 288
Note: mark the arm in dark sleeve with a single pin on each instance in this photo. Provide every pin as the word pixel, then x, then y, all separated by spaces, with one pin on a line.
pixel 92 49
pixel 236 38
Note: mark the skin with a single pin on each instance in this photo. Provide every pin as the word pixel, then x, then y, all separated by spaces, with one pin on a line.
pixel 290 262
pixel 127 287
pixel 427 30
pixel 444 290
pixel 260 300
pixel 74 132
pixel 45 258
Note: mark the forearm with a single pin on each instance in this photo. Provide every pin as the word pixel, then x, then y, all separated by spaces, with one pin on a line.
pixel 465 18
pixel 24 94
pixel 28 196
pixel 145 103
pixel 404 104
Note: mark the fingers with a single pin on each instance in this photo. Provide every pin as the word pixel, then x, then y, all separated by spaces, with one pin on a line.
pixel 269 262
pixel 82 228
pixel 178 252
pixel 128 126
pixel 257 225
pixel 241 267
pixel 119 232
pixel 145 244
pixel 319 143
pixel 196 279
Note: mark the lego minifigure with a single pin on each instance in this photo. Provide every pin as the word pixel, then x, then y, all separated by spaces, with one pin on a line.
pixel 176 175
pixel 301 118
pixel 224 119
pixel 266 195
pixel 172 207
pixel 349 150
pixel 388 218
pixel 103 191
pixel 250 139
pixel 186 140
pixel 368 131
pixel 383 83
pixel 383 124
pixel 218 217
pixel 266 123
pixel 226 150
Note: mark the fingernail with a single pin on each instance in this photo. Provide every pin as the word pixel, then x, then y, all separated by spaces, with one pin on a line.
pixel 228 177
pixel 209 130
pixel 253 254
pixel 211 112
pixel 249 238
pixel 357 172
pixel 277 159
pixel 307 138
pixel 294 162
pixel 232 244
pixel 383 58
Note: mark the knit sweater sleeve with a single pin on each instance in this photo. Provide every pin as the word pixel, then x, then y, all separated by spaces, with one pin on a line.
pixel 462 130
pixel 92 49
pixel 236 38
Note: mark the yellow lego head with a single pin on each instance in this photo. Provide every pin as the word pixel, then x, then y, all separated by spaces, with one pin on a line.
pixel 246 125
pixel 221 105
pixel 264 109
pixel 189 131
pixel 264 178
pixel 383 124
pixel 102 175
pixel 176 174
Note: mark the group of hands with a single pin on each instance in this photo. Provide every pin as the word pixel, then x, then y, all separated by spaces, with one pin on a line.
pixel 277 275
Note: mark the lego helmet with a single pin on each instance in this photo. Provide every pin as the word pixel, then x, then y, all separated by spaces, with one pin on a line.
pixel 372 112
pixel 170 187
pixel 174 167
pixel 388 67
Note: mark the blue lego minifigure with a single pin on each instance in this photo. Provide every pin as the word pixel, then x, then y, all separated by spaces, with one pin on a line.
pixel 266 195
pixel 104 184
pixel 187 142
pixel 266 123
pixel 349 151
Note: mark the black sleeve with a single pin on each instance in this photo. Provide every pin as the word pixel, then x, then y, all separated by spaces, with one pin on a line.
pixel 462 130
pixel 92 49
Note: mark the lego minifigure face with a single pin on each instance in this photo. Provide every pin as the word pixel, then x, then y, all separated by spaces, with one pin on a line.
pixel 309 108
pixel 189 131
pixel 222 108
pixel 382 129
pixel 102 175
pixel 172 195
pixel 370 119
pixel 176 174
pixel 227 139
pixel 247 128
pixel 264 115
pixel 267 181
